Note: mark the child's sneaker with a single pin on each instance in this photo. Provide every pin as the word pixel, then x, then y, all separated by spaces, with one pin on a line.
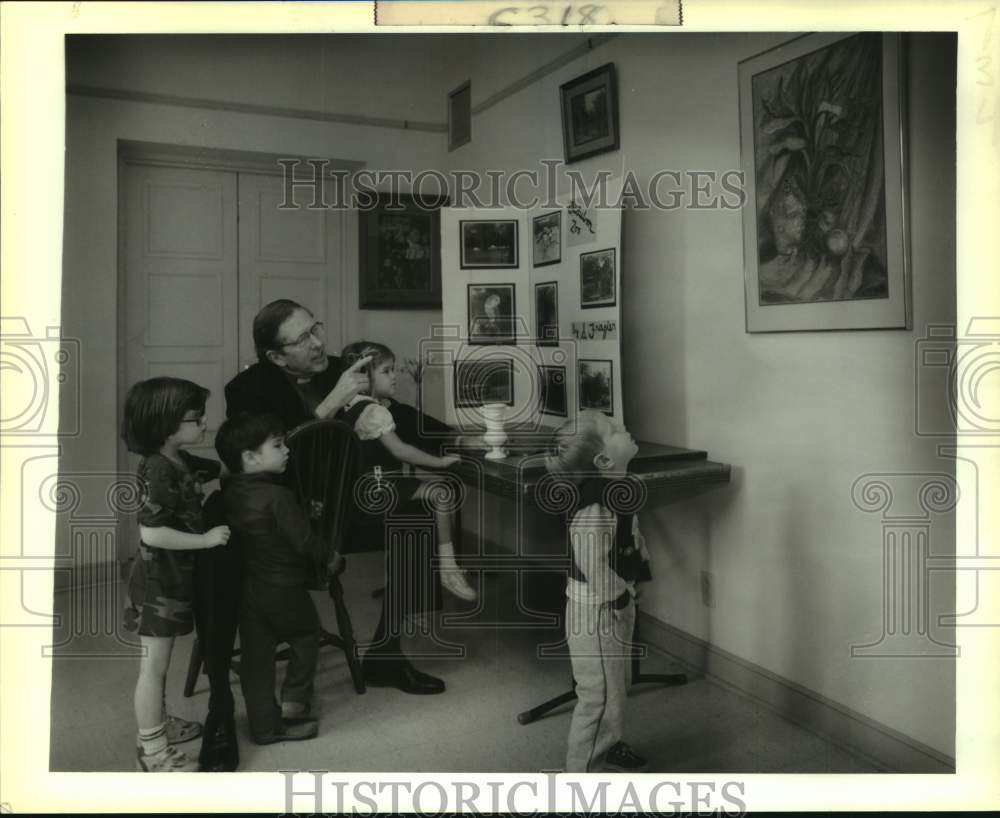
pixel 179 730
pixel 168 760
pixel 624 759
pixel 294 712
pixel 454 581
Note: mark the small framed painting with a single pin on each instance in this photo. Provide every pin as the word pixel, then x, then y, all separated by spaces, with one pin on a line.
pixel 546 239
pixel 590 114
pixel 488 380
pixel 597 279
pixel 488 244
pixel 553 390
pixel 491 314
pixel 595 383
pixel 547 314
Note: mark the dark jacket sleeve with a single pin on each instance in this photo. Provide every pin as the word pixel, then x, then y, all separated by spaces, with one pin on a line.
pixel 244 393
pixel 293 524
pixel 263 388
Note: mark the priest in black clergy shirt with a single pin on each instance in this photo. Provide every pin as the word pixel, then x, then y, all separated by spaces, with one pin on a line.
pixel 297 381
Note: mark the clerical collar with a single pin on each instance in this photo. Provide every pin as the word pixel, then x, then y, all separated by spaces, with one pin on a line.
pixel 296 379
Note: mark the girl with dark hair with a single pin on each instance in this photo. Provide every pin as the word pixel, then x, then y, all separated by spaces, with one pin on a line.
pixel 162 415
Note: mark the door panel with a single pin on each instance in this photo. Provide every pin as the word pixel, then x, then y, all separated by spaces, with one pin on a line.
pixel 180 251
pixel 291 254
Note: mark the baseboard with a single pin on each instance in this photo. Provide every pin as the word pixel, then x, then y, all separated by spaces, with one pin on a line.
pixel 882 746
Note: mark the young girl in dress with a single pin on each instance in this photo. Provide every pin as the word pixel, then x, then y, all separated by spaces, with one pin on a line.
pixel 389 430
pixel 161 416
pixel 608 557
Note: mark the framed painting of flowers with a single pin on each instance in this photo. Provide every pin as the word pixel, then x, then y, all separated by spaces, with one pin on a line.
pixel 824 220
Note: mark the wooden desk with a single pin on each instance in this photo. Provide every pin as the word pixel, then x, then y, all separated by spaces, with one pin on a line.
pixel 669 474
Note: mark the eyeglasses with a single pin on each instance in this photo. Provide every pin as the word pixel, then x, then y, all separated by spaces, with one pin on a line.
pixel 315 331
pixel 199 420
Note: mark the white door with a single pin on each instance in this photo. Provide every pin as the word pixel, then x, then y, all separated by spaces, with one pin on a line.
pixel 181 283
pixel 292 253
pixel 181 263
pixel 204 250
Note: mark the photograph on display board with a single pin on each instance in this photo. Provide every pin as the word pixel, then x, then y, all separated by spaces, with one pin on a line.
pixel 489 380
pixel 488 244
pixel 547 314
pixel 546 239
pixel 596 385
pixel 553 390
pixel 491 314
pixel 597 279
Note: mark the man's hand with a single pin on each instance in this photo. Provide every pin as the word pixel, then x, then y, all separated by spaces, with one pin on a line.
pixel 350 383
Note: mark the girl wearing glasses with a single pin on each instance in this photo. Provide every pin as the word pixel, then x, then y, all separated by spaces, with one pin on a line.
pixel 161 416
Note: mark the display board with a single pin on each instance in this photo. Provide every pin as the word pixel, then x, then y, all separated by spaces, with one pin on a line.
pixel 531 313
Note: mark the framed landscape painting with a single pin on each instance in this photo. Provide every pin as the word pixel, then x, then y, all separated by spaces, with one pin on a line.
pixel 590 114
pixel 486 380
pixel 824 223
pixel 596 385
pixel 597 279
pixel 488 244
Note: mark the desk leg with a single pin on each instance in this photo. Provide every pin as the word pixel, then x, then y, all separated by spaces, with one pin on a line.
pixel 638 677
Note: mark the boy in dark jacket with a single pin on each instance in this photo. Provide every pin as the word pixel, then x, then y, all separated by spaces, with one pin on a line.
pixel 278 569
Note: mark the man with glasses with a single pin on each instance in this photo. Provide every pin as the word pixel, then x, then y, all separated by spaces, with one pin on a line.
pixel 297 381
pixel 293 378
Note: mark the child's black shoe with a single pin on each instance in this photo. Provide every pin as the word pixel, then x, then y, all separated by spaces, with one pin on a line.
pixel 219 751
pixel 622 758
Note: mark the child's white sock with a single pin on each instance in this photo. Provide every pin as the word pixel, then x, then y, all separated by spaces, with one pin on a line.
pixel 153 740
pixel 446 552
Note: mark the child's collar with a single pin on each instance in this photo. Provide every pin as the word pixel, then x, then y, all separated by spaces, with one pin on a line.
pixel 386 402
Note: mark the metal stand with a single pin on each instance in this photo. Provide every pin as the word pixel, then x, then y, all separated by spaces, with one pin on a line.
pixel 638 677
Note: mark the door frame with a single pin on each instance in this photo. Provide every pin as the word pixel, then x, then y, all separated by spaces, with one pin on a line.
pixel 161 154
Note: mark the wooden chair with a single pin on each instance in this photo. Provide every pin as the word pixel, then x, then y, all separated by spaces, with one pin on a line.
pixel 322 469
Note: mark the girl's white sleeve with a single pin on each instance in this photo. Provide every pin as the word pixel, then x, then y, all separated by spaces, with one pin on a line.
pixel 373 422
pixel 591 534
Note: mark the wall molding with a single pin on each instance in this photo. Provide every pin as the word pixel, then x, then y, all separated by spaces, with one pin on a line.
pixel 150 98
pixel 880 745
pixel 251 108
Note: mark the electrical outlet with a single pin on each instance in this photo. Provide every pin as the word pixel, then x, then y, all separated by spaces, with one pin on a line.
pixel 708 589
